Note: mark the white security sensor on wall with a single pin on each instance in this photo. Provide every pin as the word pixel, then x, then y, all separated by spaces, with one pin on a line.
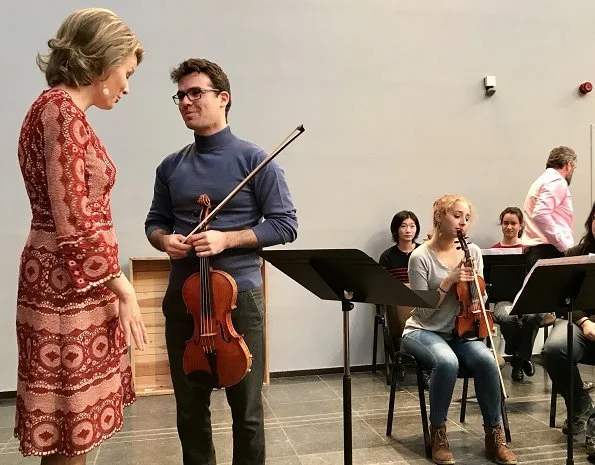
pixel 489 82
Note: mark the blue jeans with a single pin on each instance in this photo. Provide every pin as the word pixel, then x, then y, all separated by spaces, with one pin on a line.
pixel 442 357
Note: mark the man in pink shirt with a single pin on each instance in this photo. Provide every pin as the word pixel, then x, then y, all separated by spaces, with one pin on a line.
pixel 548 209
pixel 548 227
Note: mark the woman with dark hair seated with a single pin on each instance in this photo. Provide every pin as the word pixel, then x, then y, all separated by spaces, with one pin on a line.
pixel 404 229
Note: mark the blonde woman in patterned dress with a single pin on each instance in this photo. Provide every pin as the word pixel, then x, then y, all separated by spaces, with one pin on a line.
pixel 76 311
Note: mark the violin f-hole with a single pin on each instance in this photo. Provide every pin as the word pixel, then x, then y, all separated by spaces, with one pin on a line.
pixel 226 337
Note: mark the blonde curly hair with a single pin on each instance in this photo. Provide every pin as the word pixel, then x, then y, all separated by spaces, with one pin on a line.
pixel 87 45
pixel 445 204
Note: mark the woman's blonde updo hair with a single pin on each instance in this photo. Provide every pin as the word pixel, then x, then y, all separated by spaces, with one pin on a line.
pixel 87 45
pixel 443 205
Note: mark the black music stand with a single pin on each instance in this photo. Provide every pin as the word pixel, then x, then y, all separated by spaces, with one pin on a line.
pixel 346 275
pixel 556 282
pixel 504 275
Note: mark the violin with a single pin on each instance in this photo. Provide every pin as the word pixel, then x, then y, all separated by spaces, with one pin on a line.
pixel 215 347
pixel 470 321
pixel 473 321
pixel 215 350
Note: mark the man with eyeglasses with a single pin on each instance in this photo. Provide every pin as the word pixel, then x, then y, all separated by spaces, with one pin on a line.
pixel 260 215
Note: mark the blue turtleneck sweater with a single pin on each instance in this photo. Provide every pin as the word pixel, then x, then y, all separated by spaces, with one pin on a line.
pixel 215 165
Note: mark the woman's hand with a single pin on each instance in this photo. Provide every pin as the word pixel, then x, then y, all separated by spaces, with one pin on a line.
pixel 128 311
pixel 589 330
pixel 461 273
pixel 132 322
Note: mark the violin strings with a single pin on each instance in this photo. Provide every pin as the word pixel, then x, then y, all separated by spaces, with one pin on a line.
pixel 203 310
pixel 206 295
pixel 209 303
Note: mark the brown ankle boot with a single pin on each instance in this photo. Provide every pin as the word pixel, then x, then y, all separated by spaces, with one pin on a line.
pixel 441 453
pixel 496 447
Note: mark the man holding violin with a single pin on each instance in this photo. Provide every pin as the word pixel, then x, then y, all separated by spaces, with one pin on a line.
pixel 214 165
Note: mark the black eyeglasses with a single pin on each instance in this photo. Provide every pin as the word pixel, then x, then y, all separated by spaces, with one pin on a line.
pixel 193 94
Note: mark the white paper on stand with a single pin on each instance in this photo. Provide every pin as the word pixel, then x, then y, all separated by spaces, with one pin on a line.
pixel 581 259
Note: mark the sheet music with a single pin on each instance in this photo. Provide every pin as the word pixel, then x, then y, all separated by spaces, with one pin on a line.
pixel 581 259
pixel 503 251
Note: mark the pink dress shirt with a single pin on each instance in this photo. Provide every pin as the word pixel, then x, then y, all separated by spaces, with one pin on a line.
pixel 549 216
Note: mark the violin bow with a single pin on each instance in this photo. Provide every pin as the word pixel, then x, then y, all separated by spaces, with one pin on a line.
pixel 284 143
pixel 492 346
pixel 485 320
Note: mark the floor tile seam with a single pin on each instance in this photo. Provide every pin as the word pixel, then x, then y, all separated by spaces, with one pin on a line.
pixel 174 429
pixel 384 412
pixel 302 423
pixel 519 451
pixel 170 435
pixel 512 400
pixel 277 457
pixel 280 425
pixel 336 416
pixel 312 401
pixel 546 423
pixel 382 437
pixel 306 418
pixel 332 389
pixel 277 403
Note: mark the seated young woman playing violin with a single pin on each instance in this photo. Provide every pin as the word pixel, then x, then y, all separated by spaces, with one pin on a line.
pixel 430 336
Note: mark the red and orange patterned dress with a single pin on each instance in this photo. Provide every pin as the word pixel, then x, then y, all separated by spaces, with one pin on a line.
pixel 74 375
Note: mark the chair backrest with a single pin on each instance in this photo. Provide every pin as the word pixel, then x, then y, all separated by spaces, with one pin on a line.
pixel 395 317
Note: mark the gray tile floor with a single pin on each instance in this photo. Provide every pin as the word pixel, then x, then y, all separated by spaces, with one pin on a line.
pixel 303 419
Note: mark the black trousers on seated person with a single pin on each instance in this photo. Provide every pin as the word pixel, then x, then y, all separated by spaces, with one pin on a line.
pixel 519 336
pixel 556 364
pixel 193 398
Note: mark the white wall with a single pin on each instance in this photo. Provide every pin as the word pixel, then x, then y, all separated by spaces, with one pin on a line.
pixel 390 93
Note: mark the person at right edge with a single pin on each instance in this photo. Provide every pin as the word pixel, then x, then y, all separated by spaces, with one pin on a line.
pixel 556 354
pixel 260 215
pixel 549 218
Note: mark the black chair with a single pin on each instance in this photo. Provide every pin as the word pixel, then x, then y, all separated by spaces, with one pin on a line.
pixel 410 360
pixel 380 322
pixel 554 398
pixel 391 320
pixel 553 406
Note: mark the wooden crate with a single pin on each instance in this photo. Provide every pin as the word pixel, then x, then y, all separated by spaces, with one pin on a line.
pixel 150 369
